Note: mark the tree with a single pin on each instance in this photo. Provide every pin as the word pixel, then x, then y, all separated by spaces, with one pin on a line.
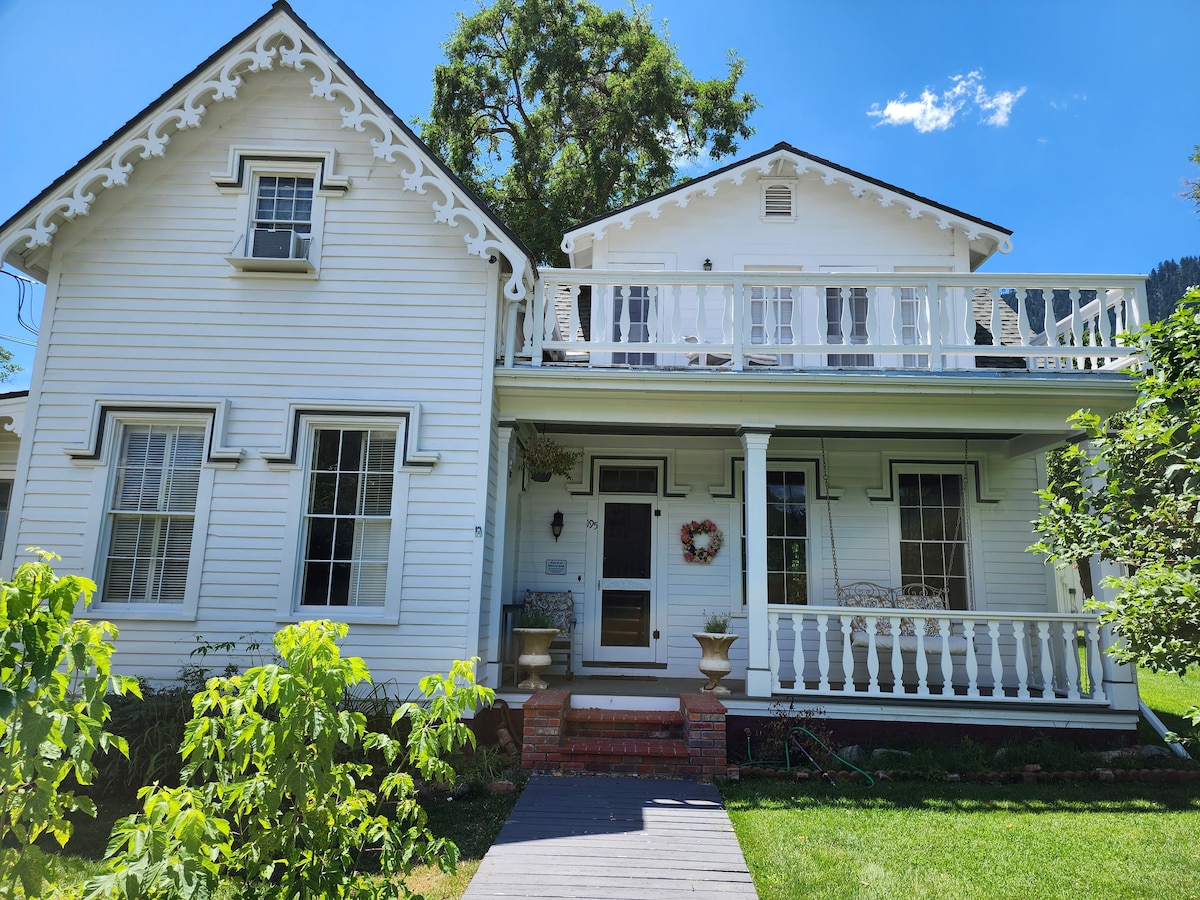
pixel 8 368
pixel 1193 187
pixel 277 798
pixel 557 111
pixel 1130 494
pixel 55 675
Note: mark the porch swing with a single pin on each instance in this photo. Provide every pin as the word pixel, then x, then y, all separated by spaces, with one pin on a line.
pixel 918 596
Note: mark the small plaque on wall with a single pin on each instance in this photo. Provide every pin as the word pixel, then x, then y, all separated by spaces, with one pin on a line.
pixel 556 567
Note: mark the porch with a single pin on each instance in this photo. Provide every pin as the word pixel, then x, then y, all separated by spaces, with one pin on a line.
pixel 790 320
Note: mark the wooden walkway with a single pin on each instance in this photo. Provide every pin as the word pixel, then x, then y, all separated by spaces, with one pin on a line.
pixel 614 839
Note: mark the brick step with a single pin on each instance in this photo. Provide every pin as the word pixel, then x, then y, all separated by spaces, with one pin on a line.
pixel 625 747
pixel 627 724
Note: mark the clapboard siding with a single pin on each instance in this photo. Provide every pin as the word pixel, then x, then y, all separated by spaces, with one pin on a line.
pixel 147 306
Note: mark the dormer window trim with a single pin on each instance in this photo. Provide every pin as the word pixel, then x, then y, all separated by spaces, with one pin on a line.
pixel 778 199
pixel 307 177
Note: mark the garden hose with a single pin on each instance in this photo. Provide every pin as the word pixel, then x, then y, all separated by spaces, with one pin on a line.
pixel 792 740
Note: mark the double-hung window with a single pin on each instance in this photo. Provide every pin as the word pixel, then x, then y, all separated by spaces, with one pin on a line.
pixel 152 512
pixel 282 218
pixel 348 516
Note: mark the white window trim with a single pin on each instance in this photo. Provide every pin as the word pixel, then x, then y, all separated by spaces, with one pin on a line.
pixel 974 563
pixel 246 165
pixel 99 533
pixel 289 608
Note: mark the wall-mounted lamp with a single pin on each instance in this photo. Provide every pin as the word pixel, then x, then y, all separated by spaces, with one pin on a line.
pixel 556 525
pixel 707 265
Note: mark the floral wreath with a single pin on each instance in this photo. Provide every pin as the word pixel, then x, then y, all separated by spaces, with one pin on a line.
pixel 707 551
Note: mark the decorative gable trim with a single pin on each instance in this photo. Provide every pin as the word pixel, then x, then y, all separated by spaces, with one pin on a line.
pixel 770 164
pixel 280 37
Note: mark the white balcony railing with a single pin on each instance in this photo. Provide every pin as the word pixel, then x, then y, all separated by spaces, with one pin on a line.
pixel 781 320
pixel 956 656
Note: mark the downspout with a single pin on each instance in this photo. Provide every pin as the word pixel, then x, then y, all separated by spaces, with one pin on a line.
pixel 1157 724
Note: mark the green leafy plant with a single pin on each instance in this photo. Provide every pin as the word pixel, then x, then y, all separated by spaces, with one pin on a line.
pixel 716 623
pixel 543 455
pixel 1130 495
pixel 274 799
pixel 534 618
pixel 55 677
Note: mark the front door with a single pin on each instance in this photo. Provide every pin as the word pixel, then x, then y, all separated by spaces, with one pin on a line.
pixel 626 628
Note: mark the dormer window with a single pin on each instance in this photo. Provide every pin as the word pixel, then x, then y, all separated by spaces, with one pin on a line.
pixel 282 226
pixel 779 200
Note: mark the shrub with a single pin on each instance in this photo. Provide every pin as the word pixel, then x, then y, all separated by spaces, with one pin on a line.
pixel 272 801
pixel 55 677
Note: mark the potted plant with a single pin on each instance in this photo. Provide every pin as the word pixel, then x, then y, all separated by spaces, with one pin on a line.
pixel 535 631
pixel 544 456
pixel 715 641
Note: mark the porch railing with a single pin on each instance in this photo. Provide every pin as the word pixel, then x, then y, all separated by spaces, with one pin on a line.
pixel 969 656
pixel 789 320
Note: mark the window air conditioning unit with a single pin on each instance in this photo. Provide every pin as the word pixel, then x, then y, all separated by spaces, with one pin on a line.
pixel 271 244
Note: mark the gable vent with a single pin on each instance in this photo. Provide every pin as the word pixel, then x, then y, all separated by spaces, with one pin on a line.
pixel 778 200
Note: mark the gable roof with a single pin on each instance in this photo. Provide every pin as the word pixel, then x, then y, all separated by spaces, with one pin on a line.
pixel 985 237
pixel 280 36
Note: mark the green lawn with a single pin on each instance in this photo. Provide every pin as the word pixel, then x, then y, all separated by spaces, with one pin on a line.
pixel 1170 696
pixel 917 839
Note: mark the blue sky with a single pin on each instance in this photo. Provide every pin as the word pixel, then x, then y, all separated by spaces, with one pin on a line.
pixel 1069 122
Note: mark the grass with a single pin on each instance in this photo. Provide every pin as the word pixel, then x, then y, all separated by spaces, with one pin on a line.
pixel 472 823
pixel 965 841
pixel 1169 696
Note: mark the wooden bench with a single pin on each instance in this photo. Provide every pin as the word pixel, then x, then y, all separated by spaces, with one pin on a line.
pixel 868 595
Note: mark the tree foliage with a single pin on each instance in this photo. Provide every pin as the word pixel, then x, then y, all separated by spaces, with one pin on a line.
pixel 55 676
pixel 557 111
pixel 1167 282
pixel 1131 495
pixel 1193 187
pixel 276 799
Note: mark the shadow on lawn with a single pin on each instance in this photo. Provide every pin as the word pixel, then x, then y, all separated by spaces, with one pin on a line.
pixel 1067 797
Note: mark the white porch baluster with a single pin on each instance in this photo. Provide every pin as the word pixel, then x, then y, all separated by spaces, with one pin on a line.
pixel 937 327
pixel 872 662
pixel 897 658
pixel 847 657
pixel 1022 662
pixel 947 662
pixel 997 663
pixel 573 323
pixel 873 336
pixel 798 649
pixel 620 293
pixel 741 320
pixel 676 316
pixel 702 317
pixel 994 323
pixel 823 651
pixel 1076 324
pixel 1095 663
pixel 1071 661
pixel 972 663
pixel 773 648
pixel 922 670
pixel 1023 329
pixel 652 316
pixel 1045 661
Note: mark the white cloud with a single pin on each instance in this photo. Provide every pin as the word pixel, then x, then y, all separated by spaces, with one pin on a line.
pixel 937 112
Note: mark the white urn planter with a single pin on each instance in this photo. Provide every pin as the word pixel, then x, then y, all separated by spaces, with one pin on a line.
pixel 714 659
pixel 535 655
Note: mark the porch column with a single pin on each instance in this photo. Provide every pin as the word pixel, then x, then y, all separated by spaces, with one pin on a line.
pixel 500 570
pixel 758 670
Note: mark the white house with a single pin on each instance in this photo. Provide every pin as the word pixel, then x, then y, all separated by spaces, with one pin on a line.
pixel 288 364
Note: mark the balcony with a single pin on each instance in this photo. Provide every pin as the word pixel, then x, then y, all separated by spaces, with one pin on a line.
pixel 788 321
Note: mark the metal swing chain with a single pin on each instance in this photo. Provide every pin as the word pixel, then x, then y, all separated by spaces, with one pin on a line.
pixel 837 581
